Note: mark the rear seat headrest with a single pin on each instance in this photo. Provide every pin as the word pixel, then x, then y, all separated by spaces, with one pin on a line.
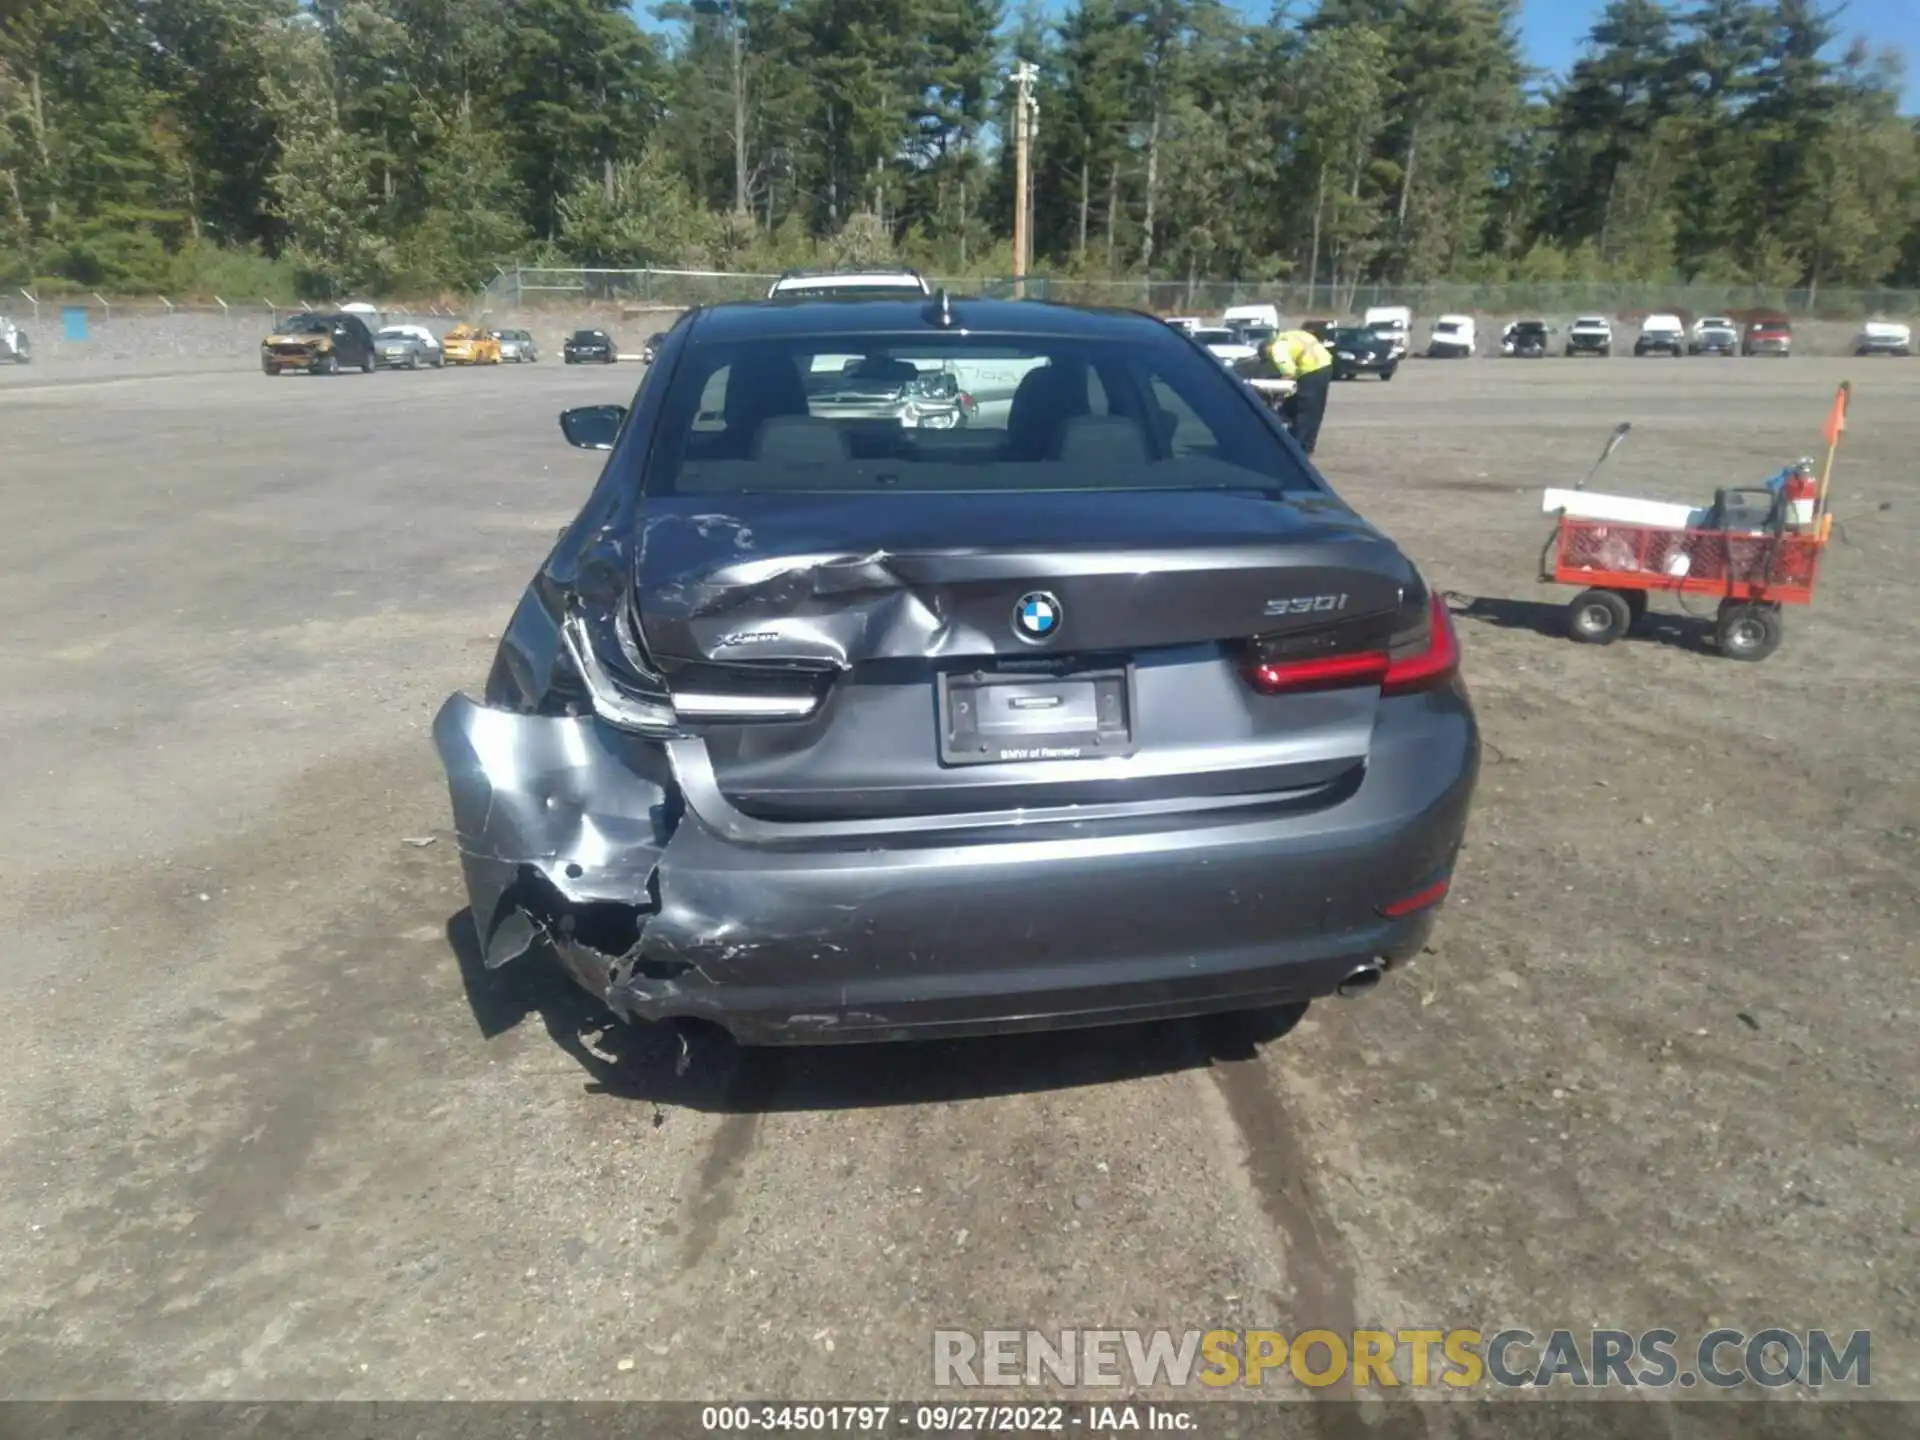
pixel 801 440
pixel 1102 440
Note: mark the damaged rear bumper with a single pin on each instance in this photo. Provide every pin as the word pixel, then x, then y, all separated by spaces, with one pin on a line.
pixel 668 903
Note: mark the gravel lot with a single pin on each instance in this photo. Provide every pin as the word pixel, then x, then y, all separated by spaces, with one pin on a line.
pixel 268 1132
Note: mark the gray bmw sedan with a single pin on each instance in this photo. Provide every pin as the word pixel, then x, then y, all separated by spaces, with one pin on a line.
pixel 826 726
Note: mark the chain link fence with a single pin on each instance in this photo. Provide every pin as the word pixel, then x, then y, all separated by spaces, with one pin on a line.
pixel 533 288
pixel 1626 300
pixel 554 300
pixel 158 327
pixel 50 310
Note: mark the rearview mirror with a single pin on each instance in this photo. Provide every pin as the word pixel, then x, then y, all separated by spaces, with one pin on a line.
pixel 592 427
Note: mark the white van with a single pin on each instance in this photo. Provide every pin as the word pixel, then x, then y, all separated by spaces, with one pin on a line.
pixel 1240 316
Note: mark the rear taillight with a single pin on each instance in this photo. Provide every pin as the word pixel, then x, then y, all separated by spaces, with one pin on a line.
pixel 1425 663
pixel 1423 659
pixel 1330 672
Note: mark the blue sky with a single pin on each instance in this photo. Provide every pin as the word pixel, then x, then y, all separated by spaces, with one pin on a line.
pixel 1553 30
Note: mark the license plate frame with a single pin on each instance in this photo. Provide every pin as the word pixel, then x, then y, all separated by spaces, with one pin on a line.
pixel 980 714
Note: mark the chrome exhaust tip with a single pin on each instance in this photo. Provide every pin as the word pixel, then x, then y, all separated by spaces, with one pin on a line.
pixel 1362 979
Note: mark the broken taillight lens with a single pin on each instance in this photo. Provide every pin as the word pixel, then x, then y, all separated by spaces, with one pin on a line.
pixel 618 679
pixel 1425 656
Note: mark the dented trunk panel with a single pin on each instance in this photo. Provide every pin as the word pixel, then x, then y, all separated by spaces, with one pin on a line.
pixel 843 579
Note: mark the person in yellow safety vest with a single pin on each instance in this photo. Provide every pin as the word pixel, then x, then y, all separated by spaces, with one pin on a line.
pixel 1300 356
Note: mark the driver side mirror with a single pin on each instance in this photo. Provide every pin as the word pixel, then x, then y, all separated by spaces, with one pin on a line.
pixel 592 427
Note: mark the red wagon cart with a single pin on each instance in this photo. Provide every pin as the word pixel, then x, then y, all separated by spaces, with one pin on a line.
pixel 1753 552
pixel 1751 575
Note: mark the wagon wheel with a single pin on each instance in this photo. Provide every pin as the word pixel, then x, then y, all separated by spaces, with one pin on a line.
pixel 1598 617
pixel 1748 632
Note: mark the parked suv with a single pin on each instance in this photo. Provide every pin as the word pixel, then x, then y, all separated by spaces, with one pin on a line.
pixel 1884 337
pixel 1714 335
pixel 1590 335
pixel 1663 335
pixel 320 344
pixel 935 749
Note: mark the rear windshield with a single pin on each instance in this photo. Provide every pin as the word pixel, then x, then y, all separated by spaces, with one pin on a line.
pixel 961 413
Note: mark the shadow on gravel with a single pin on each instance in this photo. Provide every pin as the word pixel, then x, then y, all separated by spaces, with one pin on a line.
pixel 702 1069
pixel 1683 632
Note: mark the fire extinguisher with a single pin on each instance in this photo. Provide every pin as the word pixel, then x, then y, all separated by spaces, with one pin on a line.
pixel 1799 496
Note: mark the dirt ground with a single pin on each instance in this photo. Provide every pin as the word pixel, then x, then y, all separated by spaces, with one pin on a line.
pixel 269 1132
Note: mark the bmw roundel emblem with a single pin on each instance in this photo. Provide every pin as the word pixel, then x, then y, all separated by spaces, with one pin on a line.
pixel 1037 616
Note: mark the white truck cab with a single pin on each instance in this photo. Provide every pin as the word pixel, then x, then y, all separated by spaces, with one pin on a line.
pixel 1239 316
pixel 1393 323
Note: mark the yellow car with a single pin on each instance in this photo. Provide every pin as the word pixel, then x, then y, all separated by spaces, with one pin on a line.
pixel 464 345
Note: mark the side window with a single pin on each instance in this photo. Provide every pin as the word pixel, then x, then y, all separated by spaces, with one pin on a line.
pixel 1098 401
pixel 1182 430
pixel 710 416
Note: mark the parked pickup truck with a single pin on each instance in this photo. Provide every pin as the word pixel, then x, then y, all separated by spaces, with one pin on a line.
pixel 1590 335
pixel 1663 334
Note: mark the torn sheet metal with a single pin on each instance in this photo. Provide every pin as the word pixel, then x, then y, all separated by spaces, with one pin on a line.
pixel 545 802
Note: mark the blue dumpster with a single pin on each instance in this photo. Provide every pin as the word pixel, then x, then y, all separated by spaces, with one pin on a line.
pixel 73 322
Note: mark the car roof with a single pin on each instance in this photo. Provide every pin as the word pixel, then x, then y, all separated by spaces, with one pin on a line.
pixel 826 316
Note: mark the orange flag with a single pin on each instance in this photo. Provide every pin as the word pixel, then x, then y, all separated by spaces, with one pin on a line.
pixel 1837 417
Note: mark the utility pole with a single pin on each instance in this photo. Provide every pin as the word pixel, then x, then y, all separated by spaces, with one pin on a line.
pixel 739 114
pixel 1024 74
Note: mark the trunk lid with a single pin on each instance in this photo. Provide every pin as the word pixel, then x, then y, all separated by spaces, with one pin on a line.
pixel 847 579
pixel 904 614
